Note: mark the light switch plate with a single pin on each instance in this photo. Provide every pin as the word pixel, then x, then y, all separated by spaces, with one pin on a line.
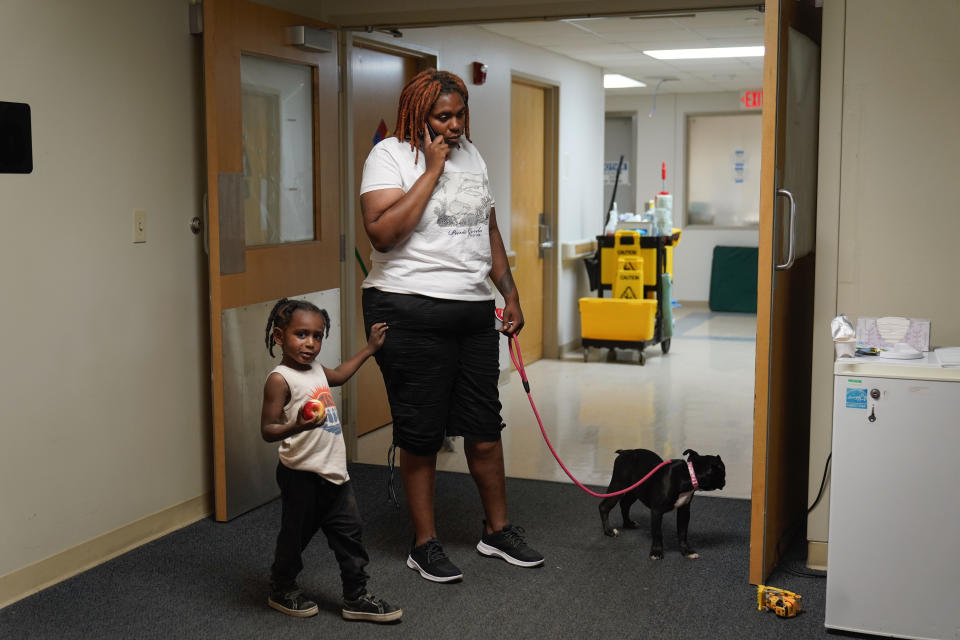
pixel 139 225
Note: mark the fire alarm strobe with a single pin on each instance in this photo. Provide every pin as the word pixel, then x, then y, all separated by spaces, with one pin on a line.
pixel 479 73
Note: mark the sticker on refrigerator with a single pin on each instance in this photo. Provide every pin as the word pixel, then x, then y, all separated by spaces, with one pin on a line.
pixel 856 398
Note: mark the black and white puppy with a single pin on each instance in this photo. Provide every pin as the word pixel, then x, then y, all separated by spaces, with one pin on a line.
pixel 672 487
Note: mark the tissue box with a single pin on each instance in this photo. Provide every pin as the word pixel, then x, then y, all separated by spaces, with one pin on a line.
pixel 884 333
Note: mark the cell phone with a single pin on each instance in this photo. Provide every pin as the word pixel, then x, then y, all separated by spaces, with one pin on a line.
pixel 433 135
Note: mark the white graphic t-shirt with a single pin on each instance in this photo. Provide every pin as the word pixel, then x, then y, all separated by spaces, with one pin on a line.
pixel 448 254
pixel 321 449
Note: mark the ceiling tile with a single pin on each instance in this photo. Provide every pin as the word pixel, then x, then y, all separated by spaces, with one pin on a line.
pixel 616 45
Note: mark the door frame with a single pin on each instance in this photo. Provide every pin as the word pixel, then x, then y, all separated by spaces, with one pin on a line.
pixel 551 182
pixel 632 166
pixel 350 287
pixel 393 18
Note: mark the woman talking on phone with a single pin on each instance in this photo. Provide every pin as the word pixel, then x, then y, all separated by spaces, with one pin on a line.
pixel 429 214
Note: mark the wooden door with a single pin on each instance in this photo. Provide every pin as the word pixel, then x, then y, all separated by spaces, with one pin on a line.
pixel 273 215
pixel 785 280
pixel 378 77
pixel 529 220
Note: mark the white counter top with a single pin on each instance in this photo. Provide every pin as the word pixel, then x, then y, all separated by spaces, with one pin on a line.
pixel 925 368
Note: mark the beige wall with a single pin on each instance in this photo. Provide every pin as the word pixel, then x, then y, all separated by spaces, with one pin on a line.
pixel 888 222
pixel 104 368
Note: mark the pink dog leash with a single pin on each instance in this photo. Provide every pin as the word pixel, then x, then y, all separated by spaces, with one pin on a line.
pixel 517 359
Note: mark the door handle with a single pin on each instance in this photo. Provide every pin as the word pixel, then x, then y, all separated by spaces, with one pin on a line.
pixel 792 240
pixel 546 241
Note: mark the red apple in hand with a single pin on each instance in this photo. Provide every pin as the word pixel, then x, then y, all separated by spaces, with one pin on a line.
pixel 313 411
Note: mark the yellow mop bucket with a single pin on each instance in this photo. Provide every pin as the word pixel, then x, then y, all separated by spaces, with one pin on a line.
pixel 618 319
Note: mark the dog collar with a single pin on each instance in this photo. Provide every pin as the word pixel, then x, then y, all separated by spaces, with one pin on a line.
pixel 693 476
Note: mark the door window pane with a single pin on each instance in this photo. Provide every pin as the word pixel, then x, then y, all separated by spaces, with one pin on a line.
pixel 277 110
pixel 723 170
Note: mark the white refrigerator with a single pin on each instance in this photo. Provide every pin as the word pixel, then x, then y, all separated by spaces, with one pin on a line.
pixel 893 563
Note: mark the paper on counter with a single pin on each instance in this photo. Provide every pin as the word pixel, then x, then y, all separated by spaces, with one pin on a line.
pixel 948 356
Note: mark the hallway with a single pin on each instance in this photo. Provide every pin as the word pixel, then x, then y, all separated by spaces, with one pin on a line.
pixel 699 396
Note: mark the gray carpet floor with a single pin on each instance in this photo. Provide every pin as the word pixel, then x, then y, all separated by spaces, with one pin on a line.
pixel 209 580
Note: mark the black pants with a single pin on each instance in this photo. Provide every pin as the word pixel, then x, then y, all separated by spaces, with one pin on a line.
pixel 441 366
pixel 311 503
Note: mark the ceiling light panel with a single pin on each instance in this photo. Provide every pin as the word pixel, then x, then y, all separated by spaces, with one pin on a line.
pixel 618 81
pixel 707 53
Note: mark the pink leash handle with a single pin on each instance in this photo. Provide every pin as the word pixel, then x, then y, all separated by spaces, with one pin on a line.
pixel 518 363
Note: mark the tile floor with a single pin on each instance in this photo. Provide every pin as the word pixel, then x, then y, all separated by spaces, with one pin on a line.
pixel 699 396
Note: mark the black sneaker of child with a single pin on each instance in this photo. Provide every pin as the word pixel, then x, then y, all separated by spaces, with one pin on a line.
pixel 509 545
pixel 366 607
pixel 293 603
pixel 432 562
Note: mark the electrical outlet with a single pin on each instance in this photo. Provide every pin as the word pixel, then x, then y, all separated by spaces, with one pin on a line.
pixel 139 225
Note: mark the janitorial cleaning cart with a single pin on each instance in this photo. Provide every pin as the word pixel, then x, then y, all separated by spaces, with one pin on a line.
pixel 637 270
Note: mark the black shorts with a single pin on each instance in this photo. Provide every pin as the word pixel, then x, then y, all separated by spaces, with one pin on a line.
pixel 441 365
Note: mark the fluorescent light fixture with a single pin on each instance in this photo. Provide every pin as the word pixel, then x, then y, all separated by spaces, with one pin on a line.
pixel 716 52
pixel 617 81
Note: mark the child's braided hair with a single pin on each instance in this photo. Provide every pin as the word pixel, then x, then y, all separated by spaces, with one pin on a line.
pixel 282 313
pixel 416 101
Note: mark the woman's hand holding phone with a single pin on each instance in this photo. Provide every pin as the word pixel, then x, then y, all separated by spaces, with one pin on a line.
pixel 436 150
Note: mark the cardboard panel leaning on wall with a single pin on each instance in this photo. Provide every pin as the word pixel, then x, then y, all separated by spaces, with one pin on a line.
pixel 105 393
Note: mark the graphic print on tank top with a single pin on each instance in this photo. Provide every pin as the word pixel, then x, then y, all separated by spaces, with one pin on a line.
pixel 321 393
pixel 461 200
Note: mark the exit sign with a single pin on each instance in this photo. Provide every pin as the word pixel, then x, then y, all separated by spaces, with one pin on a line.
pixel 752 99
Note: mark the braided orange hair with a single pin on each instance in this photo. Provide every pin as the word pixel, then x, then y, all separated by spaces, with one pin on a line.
pixel 416 102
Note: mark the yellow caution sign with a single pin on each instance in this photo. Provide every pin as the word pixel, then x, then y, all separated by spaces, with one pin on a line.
pixel 629 280
pixel 629 263
pixel 626 242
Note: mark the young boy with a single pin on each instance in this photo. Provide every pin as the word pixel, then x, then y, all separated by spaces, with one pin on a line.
pixel 315 488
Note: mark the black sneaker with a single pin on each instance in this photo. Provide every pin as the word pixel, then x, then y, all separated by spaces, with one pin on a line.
pixel 432 562
pixel 293 603
pixel 509 545
pixel 366 607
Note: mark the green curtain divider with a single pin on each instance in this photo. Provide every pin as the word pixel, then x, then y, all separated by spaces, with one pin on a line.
pixel 363 267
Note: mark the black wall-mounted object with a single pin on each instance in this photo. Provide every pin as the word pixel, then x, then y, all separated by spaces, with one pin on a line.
pixel 16 141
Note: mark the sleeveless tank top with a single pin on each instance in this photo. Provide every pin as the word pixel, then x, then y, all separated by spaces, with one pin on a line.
pixel 321 449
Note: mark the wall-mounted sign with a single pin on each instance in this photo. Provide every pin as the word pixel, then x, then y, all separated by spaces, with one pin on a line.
pixel 752 99
pixel 610 173
pixel 739 160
